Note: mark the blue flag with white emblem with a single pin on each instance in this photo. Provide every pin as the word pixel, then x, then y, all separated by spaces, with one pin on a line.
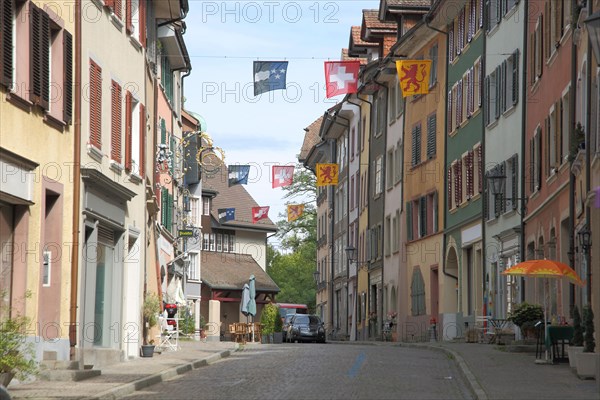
pixel 269 75
pixel 226 214
pixel 238 174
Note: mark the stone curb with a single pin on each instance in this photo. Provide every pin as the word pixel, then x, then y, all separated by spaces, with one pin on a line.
pixel 469 377
pixel 128 388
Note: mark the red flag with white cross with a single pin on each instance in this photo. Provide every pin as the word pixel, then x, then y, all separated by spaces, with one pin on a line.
pixel 259 213
pixel 341 77
pixel 283 175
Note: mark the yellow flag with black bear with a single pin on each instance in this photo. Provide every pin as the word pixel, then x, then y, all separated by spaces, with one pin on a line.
pixel 413 76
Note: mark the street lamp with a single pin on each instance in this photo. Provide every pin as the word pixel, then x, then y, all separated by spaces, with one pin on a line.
pixel 351 255
pixel 584 237
pixel 316 275
pixel 496 181
pixel 592 24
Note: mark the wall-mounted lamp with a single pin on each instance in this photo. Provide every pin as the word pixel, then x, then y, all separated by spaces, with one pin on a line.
pixel 496 181
pixel 351 256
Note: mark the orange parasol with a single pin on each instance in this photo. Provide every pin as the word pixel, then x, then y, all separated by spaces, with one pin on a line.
pixel 544 269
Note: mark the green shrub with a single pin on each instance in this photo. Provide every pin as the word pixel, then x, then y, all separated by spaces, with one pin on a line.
pixel 526 314
pixel 577 328
pixel 16 355
pixel 269 317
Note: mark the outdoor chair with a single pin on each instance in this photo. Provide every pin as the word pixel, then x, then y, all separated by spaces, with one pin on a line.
pixel 240 332
pixel 169 335
pixel 484 329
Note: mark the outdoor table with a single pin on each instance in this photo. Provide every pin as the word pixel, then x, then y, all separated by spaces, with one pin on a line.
pixel 556 335
pixel 498 324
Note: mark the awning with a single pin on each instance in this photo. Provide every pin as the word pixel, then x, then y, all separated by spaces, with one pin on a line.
pixel 229 271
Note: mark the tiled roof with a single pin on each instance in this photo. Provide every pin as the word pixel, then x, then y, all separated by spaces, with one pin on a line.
pixel 409 3
pixel 346 57
pixel 371 21
pixel 311 138
pixel 234 197
pixel 231 271
pixel 357 41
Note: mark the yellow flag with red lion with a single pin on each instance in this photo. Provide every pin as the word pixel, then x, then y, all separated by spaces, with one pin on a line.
pixel 327 174
pixel 413 76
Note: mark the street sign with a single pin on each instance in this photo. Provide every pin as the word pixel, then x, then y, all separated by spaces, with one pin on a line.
pixel 186 233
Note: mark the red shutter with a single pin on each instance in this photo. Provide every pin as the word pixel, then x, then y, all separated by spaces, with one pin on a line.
pixel 449 112
pixel 470 174
pixel 142 19
pixel 67 77
pixel 128 16
pixel 456 182
pixel 128 133
pixel 116 120
pixel 460 181
pixel 118 8
pixel 110 4
pixel 480 169
pixel 451 43
pixel 95 105
pixel 142 140
pixel 6 39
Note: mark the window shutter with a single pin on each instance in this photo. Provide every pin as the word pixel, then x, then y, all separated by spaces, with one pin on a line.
pixel 418 143
pixel 109 3
pixel 423 216
pixel 431 136
pixel 434 213
pixel 558 130
pixel 498 92
pixel 539 163
pixel 116 120
pixel 502 200
pixel 472 14
pixel 458 182
pixel 39 71
pixel 170 212
pixel 409 224
pixel 497 200
pixel 95 105
pixel 6 42
pixel 547 32
pixel 128 130
pixel 142 19
pixel 67 77
pixel 481 13
pixel 461 31
pixel 479 169
pixel 515 180
pixel 449 188
pixel 129 16
pixel 173 157
pixel 558 26
pixel 515 77
pixel 163 206
pixel 118 8
pixel 414 146
pixel 531 169
pixel 486 95
pixel 486 201
pixel 488 6
pixel 469 174
pixel 163 131
pixel 451 43
pixel 458 103
pixel 449 112
pixel 503 94
pixel 142 140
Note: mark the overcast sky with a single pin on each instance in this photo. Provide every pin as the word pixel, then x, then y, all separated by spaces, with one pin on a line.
pixel 223 39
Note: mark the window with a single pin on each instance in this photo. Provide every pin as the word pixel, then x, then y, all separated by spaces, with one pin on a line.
pixel 205 242
pixel 357 189
pixel 551 132
pixel 389 169
pixel 431 135
pixel 380 107
pixel 392 101
pixel 116 122
pixel 478 167
pixel 398 162
pixel 416 145
pixel 206 206
pixel 458 182
pixel 477 85
pixel 433 56
pixel 396 241
pixel 166 209
pixel 512 79
pixel 566 124
pixel 378 176
pixel 194 267
pixel 535 147
pixel 195 211
pixel 166 77
pixel 491 97
pixel 421 206
pixel 417 293
pixel 388 234
pixel 219 238
pixel 409 221
pixel 351 198
pixel 47 269
pixel 95 105
pixel 135 118
pixel 449 122
pixel 231 243
pixel 468 169
pixel 212 242
pixel 116 6
pixel 352 143
pixel 399 98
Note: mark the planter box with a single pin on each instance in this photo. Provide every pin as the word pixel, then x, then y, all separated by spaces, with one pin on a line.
pixel 586 365
pixel 147 350
pixel 278 337
pixel 5 378
pixel 572 351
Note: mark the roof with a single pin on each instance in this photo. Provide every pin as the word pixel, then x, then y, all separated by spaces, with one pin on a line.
pixel 236 197
pixel 409 3
pixel 371 21
pixel 356 40
pixel 346 57
pixel 311 138
pixel 231 271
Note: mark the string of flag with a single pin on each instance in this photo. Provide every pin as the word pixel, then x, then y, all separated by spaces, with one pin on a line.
pixel 341 77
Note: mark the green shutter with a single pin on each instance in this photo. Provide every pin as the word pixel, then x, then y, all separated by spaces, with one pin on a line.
pixel 164 193
pixel 163 131
pixel 409 225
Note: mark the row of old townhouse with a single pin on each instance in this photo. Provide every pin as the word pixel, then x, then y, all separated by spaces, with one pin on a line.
pixel 102 184
pixel 439 193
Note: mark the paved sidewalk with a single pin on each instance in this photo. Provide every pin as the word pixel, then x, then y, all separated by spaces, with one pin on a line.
pixel 496 374
pixel 124 378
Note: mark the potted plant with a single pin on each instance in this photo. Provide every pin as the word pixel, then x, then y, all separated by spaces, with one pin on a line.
pixel 269 315
pixel 16 356
pixel 586 360
pixel 525 316
pixel 576 345
pixel 150 310
pixel 277 328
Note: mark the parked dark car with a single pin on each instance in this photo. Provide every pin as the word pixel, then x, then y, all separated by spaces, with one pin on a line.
pixel 306 328
pixel 286 325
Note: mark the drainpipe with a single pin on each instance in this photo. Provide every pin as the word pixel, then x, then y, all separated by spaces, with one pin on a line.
pixel 76 188
pixel 572 99
pixel 332 150
pixel 522 171
pixel 588 155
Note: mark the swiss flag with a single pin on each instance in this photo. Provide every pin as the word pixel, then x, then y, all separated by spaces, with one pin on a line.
pixel 282 175
pixel 341 77
pixel 259 213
